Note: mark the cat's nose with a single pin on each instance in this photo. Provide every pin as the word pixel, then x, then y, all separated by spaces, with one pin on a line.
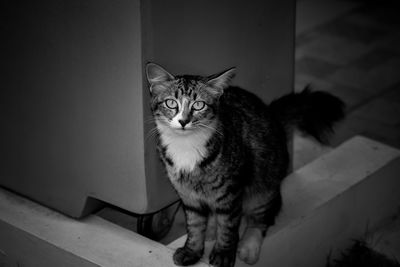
pixel 183 122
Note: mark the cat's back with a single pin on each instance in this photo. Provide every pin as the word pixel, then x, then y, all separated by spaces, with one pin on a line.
pixel 236 100
pixel 247 119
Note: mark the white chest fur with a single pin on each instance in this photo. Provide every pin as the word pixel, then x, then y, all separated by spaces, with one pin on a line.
pixel 185 150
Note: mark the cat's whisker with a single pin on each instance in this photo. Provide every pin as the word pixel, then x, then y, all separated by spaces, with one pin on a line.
pixel 151 133
pixel 209 127
pixel 151 119
pixel 154 130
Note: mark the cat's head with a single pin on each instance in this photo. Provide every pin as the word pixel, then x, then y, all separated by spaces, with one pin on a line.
pixel 185 103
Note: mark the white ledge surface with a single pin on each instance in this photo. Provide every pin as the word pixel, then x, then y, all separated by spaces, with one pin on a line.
pixel 33 235
pixel 326 204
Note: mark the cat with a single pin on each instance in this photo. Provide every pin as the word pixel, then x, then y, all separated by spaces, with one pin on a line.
pixel 225 153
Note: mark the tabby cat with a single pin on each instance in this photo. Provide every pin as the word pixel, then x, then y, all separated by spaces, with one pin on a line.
pixel 225 153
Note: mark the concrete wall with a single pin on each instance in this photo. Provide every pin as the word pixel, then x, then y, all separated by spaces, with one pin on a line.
pixel 74 101
pixel 206 37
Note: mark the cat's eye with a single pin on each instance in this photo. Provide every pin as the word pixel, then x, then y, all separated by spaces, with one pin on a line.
pixel 198 105
pixel 170 103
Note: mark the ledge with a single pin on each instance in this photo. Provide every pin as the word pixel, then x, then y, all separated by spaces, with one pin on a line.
pixel 33 235
pixel 326 203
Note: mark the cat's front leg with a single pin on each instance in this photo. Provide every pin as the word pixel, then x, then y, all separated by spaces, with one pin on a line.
pixel 224 251
pixel 192 251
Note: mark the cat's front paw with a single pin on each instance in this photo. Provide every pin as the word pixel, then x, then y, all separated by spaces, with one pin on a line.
pixel 222 258
pixel 249 252
pixel 250 246
pixel 184 256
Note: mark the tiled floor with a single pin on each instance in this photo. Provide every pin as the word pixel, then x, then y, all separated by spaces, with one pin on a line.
pixel 355 55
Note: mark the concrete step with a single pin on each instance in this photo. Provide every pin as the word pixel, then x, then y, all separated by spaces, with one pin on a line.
pixel 327 203
pixel 305 150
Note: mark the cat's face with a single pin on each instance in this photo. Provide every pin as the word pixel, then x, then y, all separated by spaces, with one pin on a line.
pixel 185 103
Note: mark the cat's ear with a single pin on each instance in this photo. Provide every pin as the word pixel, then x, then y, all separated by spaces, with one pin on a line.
pixel 157 74
pixel 221 80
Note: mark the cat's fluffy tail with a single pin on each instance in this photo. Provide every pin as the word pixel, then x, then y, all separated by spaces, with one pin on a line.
pixel 312 112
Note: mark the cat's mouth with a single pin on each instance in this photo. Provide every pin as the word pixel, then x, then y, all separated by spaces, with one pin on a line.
pixel 183 130
pixel 186 130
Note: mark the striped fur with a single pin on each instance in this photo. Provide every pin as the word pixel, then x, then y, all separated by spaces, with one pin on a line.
pixel 226 160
